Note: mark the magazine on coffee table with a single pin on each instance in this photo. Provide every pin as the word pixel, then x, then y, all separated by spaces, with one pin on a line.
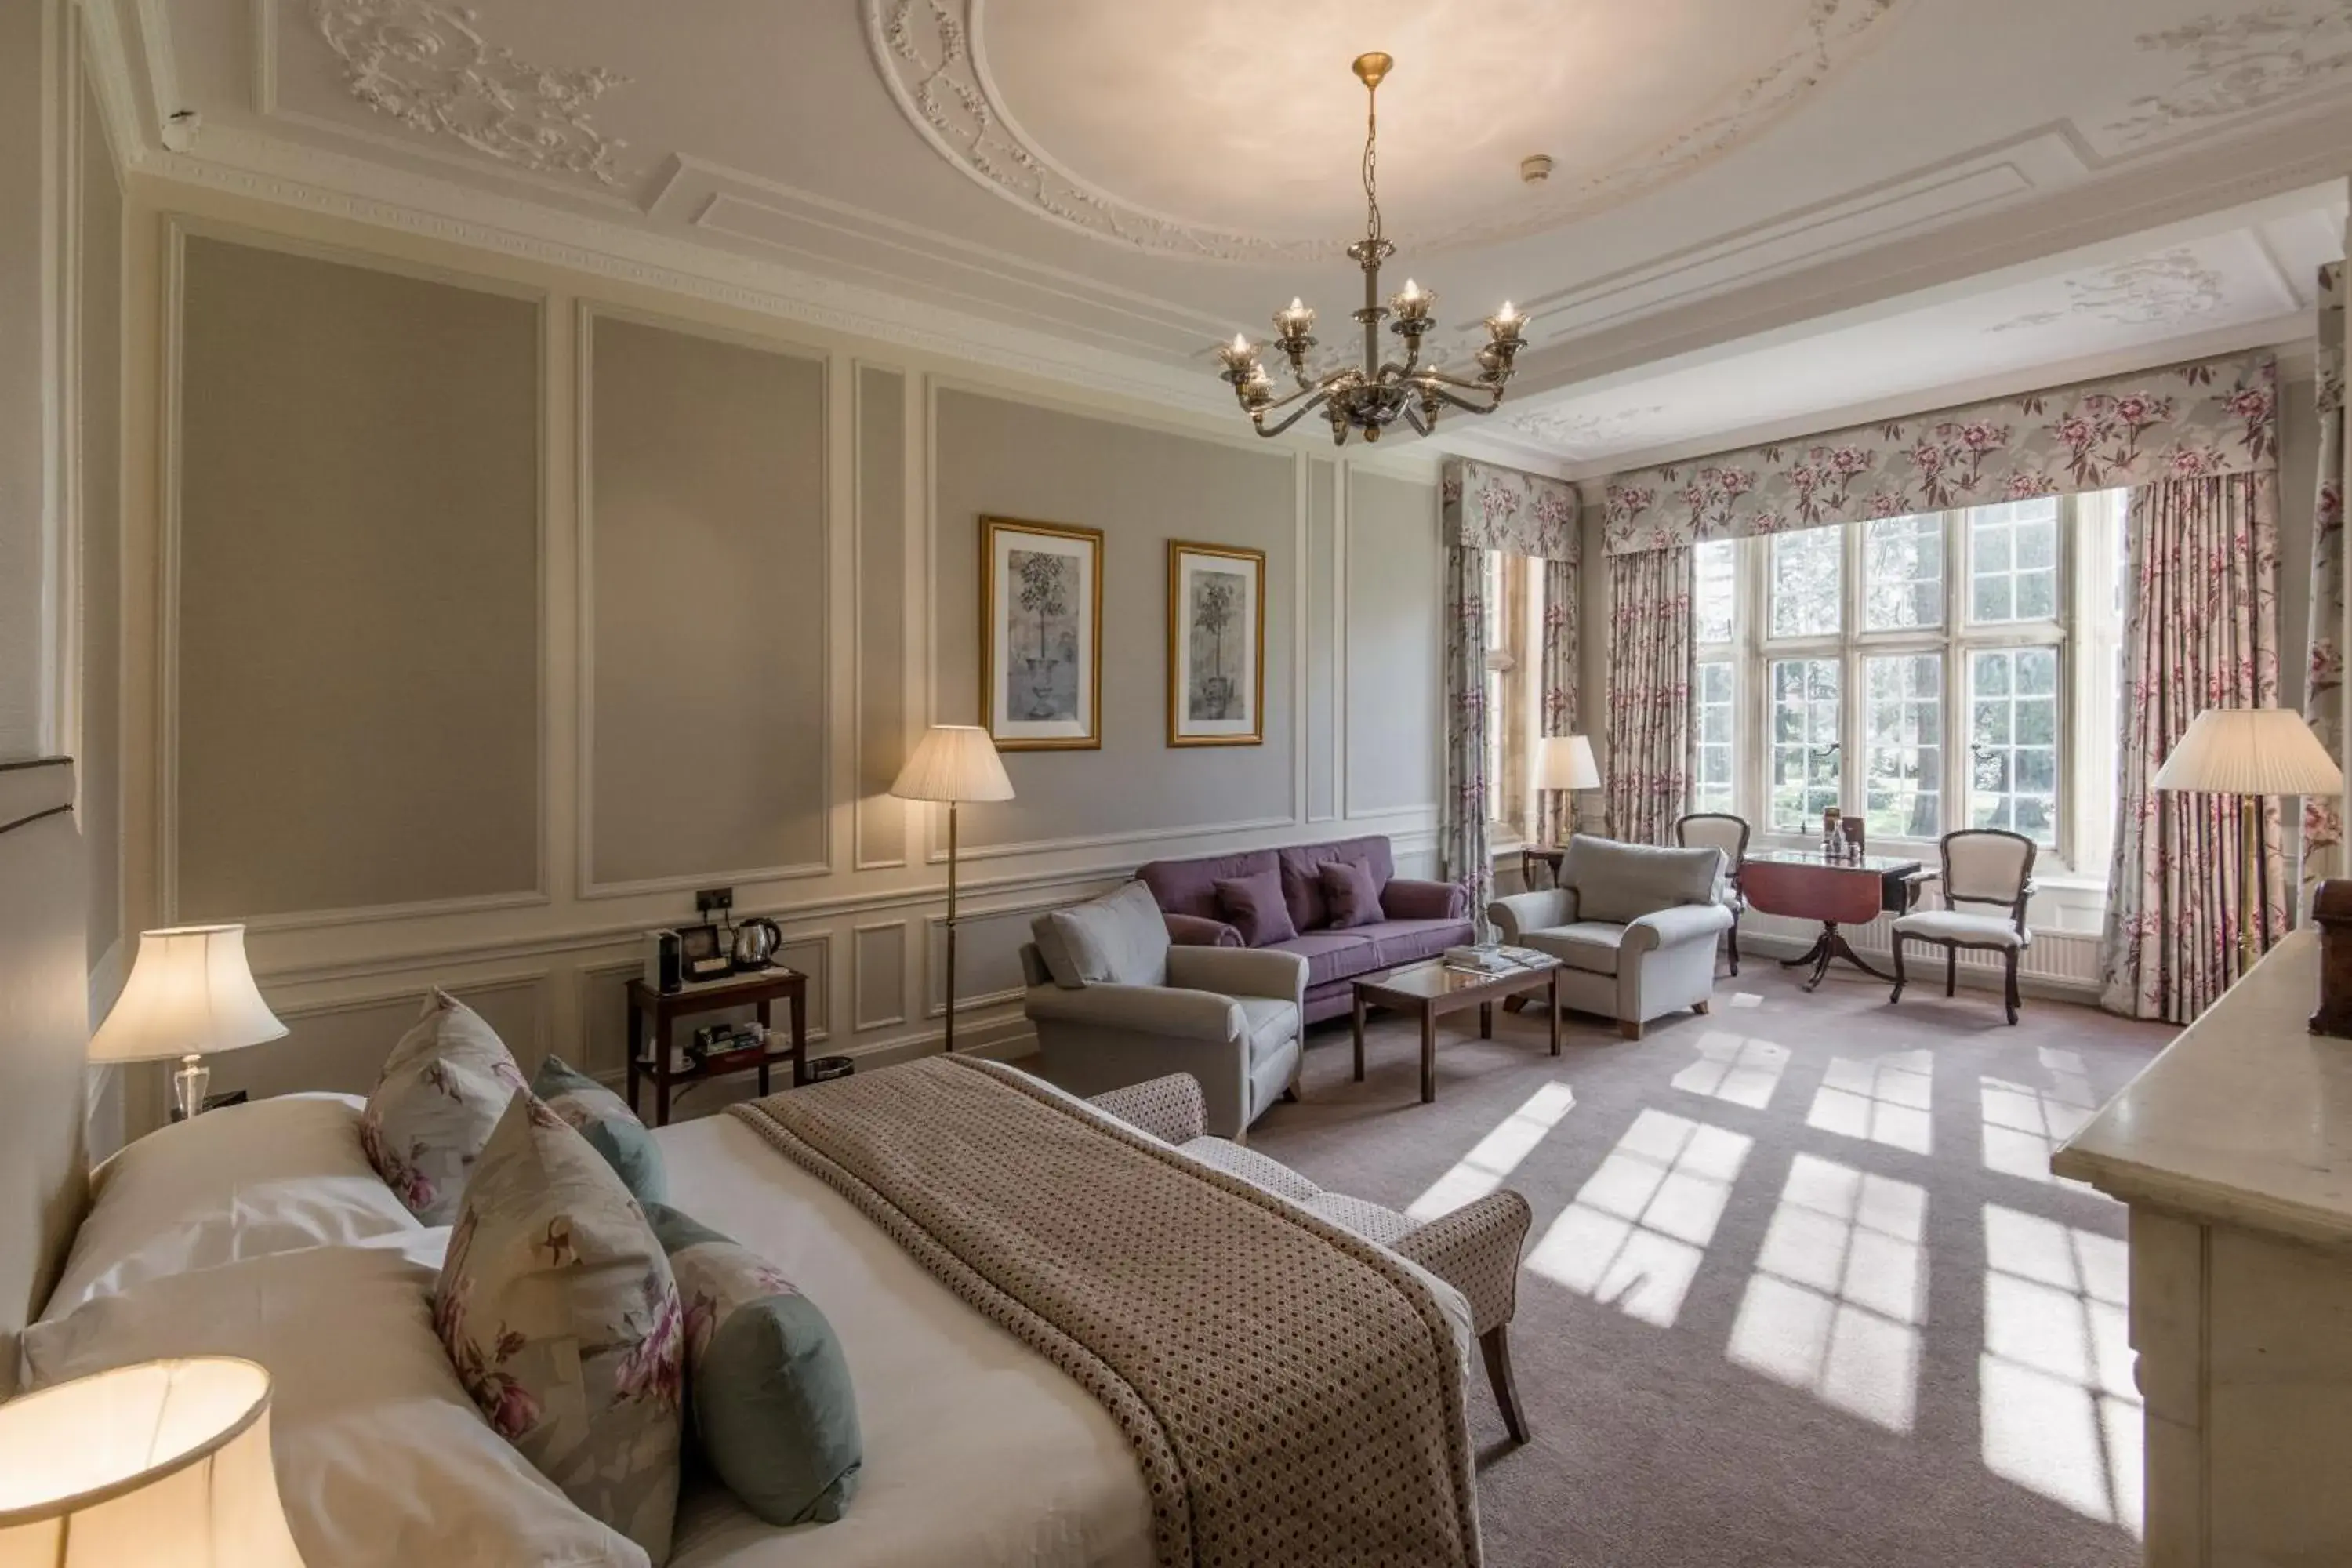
pixel 1494 958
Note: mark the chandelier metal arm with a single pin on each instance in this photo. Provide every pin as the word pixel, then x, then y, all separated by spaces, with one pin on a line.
pixel 1494 396
pixel 1301 412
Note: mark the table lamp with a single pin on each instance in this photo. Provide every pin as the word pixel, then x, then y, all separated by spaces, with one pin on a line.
pixel 954 762
pixel 190 992
pixel 161 1464
pixel 1565 763
pixel 2250 752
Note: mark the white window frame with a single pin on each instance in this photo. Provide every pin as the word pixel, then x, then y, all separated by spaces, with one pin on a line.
pixel 2084 631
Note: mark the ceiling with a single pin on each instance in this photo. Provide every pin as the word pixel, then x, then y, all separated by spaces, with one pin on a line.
pixel 1759 211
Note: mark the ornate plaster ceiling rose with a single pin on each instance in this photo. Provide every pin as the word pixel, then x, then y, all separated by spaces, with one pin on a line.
pixel 1208 130
pixel 427 66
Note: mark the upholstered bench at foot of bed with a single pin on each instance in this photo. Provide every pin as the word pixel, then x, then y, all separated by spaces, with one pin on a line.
pixel 1474 1249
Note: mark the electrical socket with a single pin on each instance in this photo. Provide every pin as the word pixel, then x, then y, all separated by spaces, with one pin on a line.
pixel 709 900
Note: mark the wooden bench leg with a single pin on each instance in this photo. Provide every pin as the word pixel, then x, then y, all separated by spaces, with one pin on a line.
pixel 1495 1345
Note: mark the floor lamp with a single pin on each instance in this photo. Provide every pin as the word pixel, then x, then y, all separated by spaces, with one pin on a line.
pixel 954 762
pixel 2251 753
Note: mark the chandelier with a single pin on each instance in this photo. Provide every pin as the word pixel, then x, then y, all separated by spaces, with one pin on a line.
pixel 1371 397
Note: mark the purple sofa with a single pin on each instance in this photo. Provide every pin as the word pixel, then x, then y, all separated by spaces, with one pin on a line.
pixel 1422 919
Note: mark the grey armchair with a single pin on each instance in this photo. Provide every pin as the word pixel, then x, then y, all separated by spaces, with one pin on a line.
pixel 1634 927
pixel 1115 1003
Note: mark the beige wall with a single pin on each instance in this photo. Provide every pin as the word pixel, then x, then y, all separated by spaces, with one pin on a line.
pixel 751 586
pixel 705 552
pixel 29 390
pixel 356 588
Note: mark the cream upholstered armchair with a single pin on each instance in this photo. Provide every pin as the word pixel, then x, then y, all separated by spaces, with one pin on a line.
pixel 1634 929
pixel 1992 868
pixel 1474 1248
pixel 1115 1003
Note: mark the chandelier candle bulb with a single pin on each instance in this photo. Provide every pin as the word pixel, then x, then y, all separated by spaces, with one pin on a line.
pixel 1412 303
pixel 1295 322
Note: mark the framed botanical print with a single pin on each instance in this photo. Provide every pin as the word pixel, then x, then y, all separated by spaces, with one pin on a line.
pixel 1040 635
pixel 1216 645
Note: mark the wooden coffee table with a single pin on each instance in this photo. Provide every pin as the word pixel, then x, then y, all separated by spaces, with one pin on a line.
pixel 1432 990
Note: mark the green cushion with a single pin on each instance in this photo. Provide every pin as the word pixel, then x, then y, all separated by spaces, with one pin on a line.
pixel 769 1395
pixel 611 1128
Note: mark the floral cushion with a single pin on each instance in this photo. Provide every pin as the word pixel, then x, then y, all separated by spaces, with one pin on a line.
pixel 557 1310
pixel 611 1128
pixel 443 1089
pixel 771 1404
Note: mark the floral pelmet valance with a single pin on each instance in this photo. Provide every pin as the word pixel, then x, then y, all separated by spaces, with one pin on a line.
pixel 1488 507
pixel 2214 416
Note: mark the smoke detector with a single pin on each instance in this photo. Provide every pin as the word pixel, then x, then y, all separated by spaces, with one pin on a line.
pixel 1536 169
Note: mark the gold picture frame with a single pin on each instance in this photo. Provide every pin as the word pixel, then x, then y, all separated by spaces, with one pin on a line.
pixel 1212 588
pixel 1044 695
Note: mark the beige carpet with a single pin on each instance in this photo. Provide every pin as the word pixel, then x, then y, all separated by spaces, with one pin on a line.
pixel 1800 1289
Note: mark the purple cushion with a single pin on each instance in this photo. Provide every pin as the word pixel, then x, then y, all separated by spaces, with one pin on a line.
pixel 1254 906
pixel 1190 887
pixel 1302 880
pixel 1349 893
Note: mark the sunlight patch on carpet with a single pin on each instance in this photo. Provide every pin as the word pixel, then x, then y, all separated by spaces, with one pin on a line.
pixel 1840 1291
pixel 1736 1069
pixel 1497 1154
pixel 1636 1232
pixel 2059 1413
pixel 1887 1100
pixel 2024 1123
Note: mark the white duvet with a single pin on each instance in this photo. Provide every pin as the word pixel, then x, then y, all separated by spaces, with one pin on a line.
pixel 979 1453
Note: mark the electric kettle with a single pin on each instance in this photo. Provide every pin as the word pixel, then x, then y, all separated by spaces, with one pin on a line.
pixel 756 941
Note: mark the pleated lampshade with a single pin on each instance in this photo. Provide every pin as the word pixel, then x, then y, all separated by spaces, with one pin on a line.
pixel 954 762
pixel 162 1465
pixel 2250 751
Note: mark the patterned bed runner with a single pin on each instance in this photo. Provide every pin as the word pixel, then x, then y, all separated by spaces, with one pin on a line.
pixel 1293 1393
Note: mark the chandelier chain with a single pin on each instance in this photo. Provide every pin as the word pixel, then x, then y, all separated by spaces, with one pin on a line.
pixel 1372 160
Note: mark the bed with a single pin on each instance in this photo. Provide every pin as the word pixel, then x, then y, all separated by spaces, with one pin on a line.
pixel 978 1451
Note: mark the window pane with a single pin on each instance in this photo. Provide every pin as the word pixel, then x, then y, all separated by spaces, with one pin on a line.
pixel 1805 767
pixel 1902 574
pixel 1808 582
pixel 2013 731
pixel 1903 764
pixel 1712 592
pixel 1712 790
pixel 2013 561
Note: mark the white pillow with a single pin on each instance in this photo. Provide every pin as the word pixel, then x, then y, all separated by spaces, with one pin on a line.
pixel 240 1181
pixel 382 1458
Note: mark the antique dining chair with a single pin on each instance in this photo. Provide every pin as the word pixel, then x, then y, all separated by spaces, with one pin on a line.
pixel 1720 830
pixel 1989 866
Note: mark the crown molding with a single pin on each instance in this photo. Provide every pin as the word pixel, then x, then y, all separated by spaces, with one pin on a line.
pixel 263 168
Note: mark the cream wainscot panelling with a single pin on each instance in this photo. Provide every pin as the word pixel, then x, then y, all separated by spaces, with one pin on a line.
pixel 747 585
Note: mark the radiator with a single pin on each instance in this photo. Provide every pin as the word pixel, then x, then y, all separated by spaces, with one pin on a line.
pixel 2065 960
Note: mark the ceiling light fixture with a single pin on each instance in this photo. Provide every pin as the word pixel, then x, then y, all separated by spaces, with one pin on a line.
pixel 1374 395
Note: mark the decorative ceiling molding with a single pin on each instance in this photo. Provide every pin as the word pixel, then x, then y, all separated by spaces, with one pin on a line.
pixel 2167 289
pixel 1572 433
pixel 426 66
pixel 923 50
pixel 2236 63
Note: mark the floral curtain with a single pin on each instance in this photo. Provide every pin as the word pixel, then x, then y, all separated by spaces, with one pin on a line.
pixel 2201 630
pixel 2210 418
pixel 1651 651
pixel 1492 508
pixel 2322 687
pixel 1556 665
pixel 1462 846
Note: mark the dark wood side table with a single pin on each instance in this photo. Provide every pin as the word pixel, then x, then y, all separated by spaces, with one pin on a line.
pixel 1534 855
pixel 1432 990
pixel 1806 885
pixel 657 1010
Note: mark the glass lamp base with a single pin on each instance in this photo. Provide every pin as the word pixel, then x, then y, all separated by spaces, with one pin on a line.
pixel 188 1085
